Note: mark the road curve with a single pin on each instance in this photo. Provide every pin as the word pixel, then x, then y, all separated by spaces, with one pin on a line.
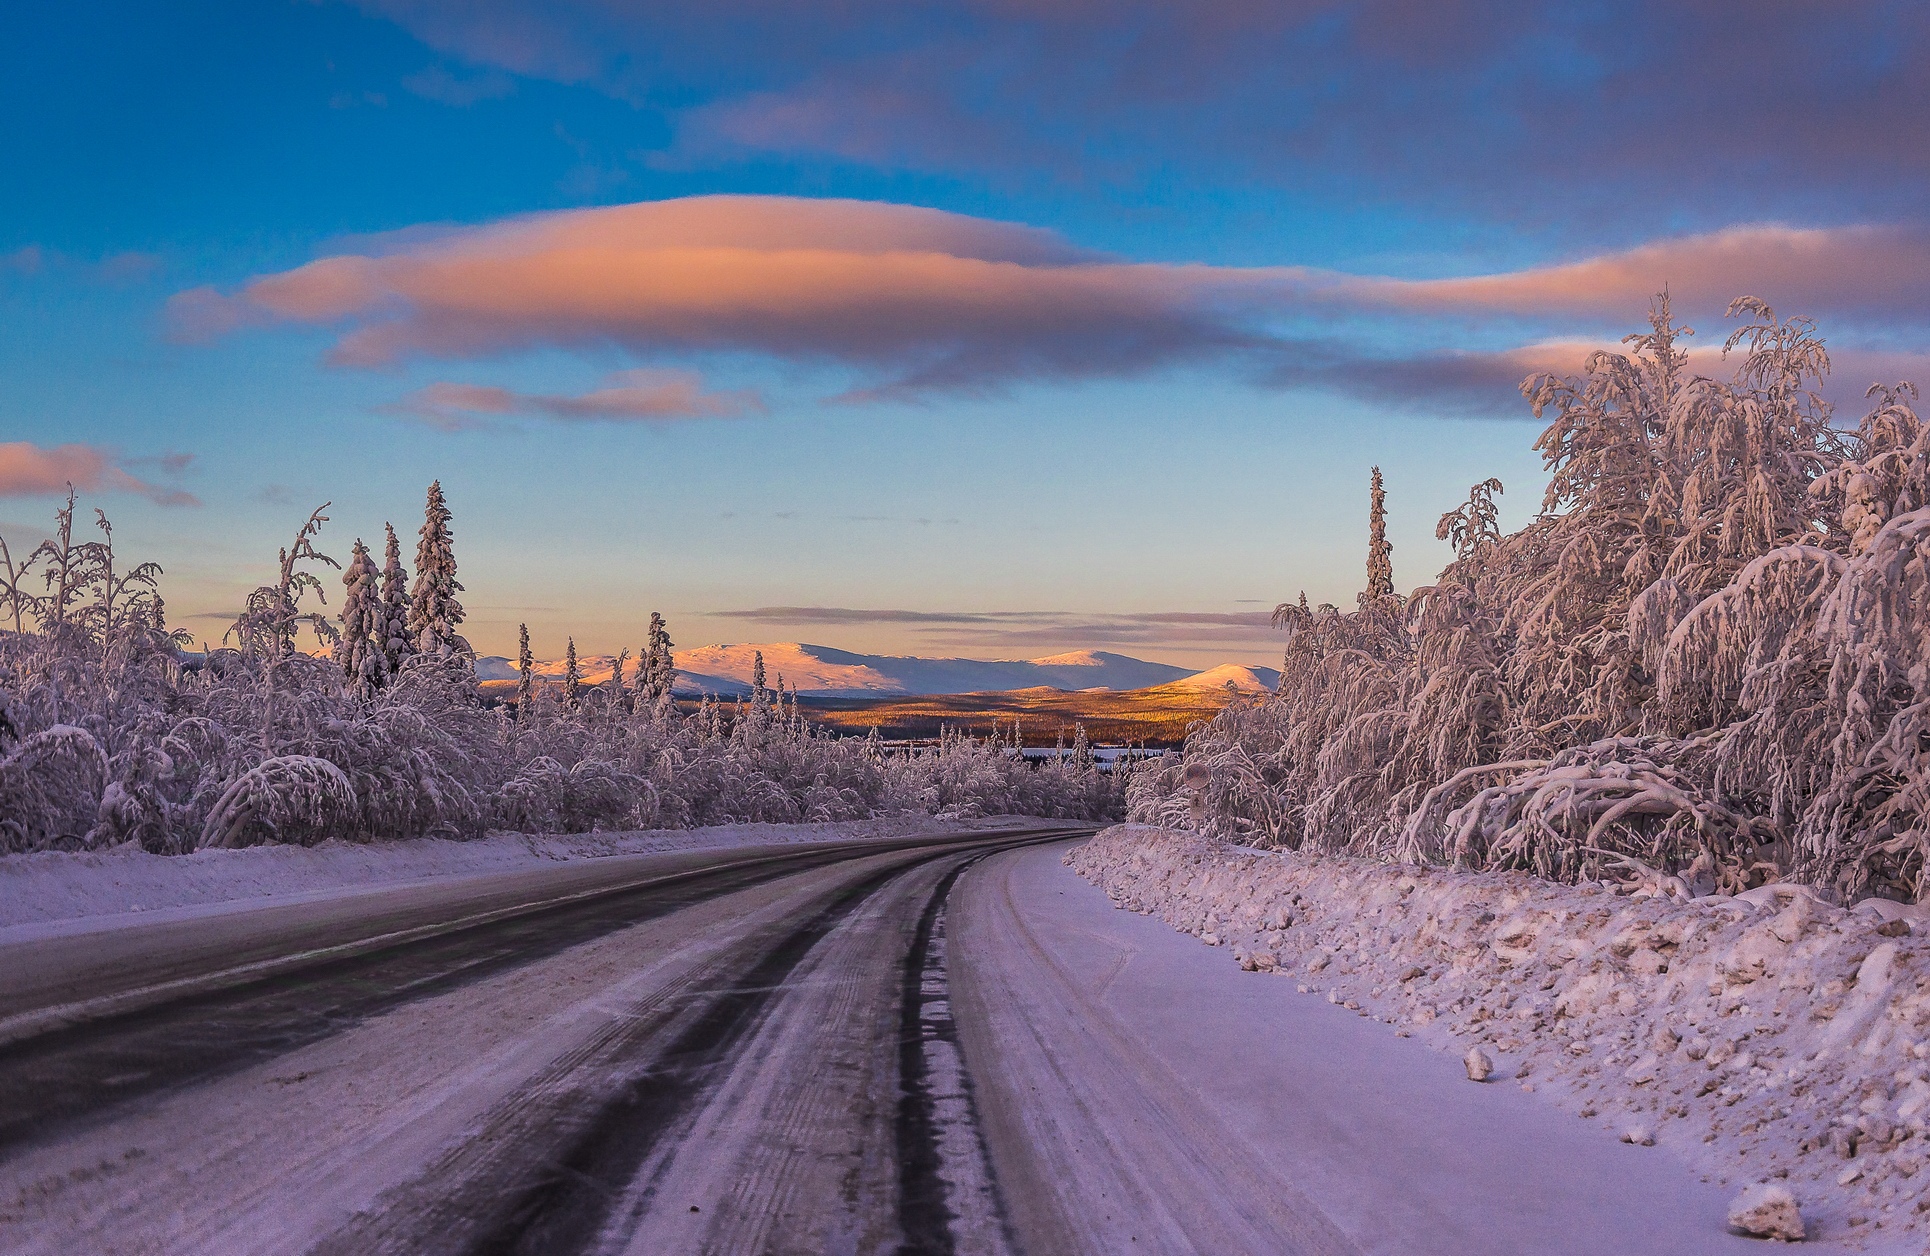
pixel 947 1045
pixel 744 1053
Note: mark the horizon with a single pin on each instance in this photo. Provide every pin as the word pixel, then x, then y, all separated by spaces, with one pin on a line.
pixel 1304 597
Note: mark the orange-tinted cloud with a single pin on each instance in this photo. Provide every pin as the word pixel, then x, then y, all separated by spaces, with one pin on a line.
pixel 27 470
pixel 917 299
pixel 931 299
pixel 1871 271
pixel 628 396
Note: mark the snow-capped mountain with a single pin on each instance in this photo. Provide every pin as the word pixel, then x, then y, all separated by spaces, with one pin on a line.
pixel 725 670
pixel 1244 679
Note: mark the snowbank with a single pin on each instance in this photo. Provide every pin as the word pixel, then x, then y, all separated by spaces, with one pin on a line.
pixel 1765 1037
pixel 59 886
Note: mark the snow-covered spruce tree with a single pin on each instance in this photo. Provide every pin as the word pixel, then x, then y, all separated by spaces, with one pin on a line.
pixel 1380 553
pixel 391 629
pixel 525 677
pixel 357 650
pixel 657 670
pixel 434 612
pixel 572 679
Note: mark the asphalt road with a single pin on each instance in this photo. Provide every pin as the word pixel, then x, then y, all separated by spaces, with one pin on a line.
pixel 730 1052
pixel 931 1045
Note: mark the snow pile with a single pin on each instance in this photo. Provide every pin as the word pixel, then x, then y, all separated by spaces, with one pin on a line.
pixel 61 885
pixel 1767 1036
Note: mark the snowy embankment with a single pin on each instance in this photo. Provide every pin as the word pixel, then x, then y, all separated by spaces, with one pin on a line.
pixel 1765 1037
pixel 60 886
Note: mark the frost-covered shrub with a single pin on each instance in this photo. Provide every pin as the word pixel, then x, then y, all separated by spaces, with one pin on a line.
pixel 1708 654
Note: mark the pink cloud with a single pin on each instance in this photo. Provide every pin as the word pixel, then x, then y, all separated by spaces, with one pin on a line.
pixel 918 300
pixel 935 298
pixel 27 470
pixel 628 396
pixel 1873 271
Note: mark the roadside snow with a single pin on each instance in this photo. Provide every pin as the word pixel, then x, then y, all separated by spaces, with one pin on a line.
pixel 1768 1037
pixel 62 886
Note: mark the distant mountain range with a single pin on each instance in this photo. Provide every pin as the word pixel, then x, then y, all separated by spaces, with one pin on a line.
pixel 816 670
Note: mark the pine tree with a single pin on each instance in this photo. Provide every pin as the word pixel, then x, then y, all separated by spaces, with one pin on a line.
pixel 658 662
pixel 434 612
pixel 616 674
pixel 359 652
pixel 759 695
pixel 572 678
pixel 525 677
pixel 1081 749
pixel 656 668
pixel 1380 562
pixel 391 628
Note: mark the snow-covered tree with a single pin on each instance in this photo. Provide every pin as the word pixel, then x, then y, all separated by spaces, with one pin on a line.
pixel 1380 560
pixel 572 679
pixel 434 612
pixel 358 652
pixel 1698 658
pixel 525 677
pixel 657 669
pixel 391 627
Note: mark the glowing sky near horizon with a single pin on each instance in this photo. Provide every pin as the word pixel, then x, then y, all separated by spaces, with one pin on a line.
pixel 985 328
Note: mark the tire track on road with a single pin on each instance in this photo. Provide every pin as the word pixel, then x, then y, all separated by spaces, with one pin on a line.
pixel 571 1163
pixel 84 1073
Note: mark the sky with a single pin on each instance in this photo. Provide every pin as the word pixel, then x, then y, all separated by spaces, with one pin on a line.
pixel 998 328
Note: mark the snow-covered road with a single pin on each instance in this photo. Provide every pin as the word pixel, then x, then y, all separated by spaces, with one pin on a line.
pixel 925 1047
pixel 1150 1096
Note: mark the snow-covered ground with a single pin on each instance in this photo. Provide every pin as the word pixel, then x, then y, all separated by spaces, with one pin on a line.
pixel 1766 1037
pixel 59 886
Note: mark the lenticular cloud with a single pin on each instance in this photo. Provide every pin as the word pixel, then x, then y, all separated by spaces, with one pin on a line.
pixel 927 297
pixel 914 300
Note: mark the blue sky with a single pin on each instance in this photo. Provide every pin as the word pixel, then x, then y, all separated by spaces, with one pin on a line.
pixel 1190 274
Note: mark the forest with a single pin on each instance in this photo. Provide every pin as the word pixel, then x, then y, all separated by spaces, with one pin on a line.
pixel 366 723
pixel 1703 665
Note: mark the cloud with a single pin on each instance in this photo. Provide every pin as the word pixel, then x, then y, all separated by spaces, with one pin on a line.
pixel 1858 272
pixel 927 299
pixel 27 470
pixel 1537 110
pixel 1032 627
pixel 25 260
pixel 113 269
pixel 628 396
pixel 439 84
pixel 916 301
pixel 1487 384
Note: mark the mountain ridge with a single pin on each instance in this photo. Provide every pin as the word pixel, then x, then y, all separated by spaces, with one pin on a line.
pixel 825 671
